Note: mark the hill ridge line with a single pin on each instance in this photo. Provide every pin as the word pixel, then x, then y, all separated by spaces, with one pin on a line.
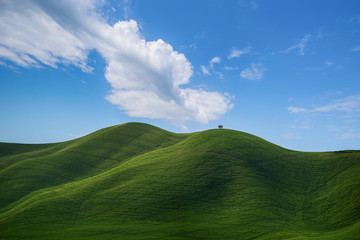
pixel 213 184
pixel 81 180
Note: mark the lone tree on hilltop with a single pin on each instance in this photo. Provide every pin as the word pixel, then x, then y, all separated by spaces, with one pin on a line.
pixel 220 126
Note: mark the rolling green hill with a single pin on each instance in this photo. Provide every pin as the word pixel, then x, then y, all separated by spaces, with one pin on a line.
pixel 136 181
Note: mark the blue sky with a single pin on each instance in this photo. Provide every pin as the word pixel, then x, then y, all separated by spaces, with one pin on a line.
pixel 286 71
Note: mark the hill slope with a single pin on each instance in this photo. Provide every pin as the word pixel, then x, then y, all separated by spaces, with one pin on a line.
pixel 136 181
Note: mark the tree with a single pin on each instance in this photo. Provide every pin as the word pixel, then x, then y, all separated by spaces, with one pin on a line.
pixel 220 126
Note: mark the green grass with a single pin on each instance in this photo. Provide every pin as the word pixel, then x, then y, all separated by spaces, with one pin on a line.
pixel 136 181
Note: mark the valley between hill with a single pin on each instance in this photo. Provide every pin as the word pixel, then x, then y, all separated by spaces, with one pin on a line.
pixel 137 181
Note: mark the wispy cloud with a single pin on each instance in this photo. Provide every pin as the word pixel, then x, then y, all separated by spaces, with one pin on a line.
pixel 148 78
pixel 214 60
pixel 355 19
pixel 293 109
pixel 254 4
pixel 328 63
pixel 314 69
pixel 320 35
pixel 204 70
pixel 348 104
pixel 302 123
pixel 291 135
pixel 255 72
pixel 355 49
pixel 300 46
pixel 230 68
pixel 350 133
pixel 237 53
pixel 210 68
pixel 126 8
pixel 301 126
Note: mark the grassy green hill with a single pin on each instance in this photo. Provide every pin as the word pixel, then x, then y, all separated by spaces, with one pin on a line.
pixel 136 181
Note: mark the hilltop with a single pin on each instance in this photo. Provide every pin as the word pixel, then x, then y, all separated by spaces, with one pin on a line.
pixel 137 181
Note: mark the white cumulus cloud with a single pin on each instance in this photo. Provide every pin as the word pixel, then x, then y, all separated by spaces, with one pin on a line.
pixel 148 78
pixel 31 38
